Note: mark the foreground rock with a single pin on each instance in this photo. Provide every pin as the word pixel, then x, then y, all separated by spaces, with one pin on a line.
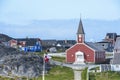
pixel 16 63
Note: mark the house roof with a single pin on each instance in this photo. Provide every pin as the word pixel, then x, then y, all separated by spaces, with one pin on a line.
pixel 80 28
pixel 111 35
pixel 90 45
pixel 29 41
pixel 106 45
pixel 95 46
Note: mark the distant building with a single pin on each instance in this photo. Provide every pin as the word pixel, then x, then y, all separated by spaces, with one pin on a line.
pixel 12 43
pixel 62 45
pixel 117 45
pixel 107 46
pixel 108 42
pixel 48 43
pixel 58 44
pixel 91 52
pixel 111 37
pixel 116 58
pixel 65 43
pixel 30 44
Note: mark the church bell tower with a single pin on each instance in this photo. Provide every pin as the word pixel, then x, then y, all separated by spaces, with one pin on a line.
pixel 80 33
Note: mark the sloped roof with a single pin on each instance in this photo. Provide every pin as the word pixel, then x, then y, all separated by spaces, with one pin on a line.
pixel 80 28
pixel 95 46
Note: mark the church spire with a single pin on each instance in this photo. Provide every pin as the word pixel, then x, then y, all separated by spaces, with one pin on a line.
pixel 80 28
pixel 80 33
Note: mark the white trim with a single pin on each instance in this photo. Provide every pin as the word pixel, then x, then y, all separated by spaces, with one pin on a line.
pixel 81 58
pixel 87 47
pixel 73 46
pixel 84 45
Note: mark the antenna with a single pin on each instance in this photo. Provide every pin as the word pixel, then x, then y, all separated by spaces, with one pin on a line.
pixel 80 15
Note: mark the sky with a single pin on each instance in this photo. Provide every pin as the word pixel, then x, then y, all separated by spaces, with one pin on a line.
pixel 21 13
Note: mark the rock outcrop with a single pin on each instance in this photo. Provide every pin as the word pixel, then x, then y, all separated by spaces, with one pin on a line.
pixel 16 63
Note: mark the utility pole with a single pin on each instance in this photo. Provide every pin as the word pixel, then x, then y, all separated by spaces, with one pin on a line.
pixel 43 75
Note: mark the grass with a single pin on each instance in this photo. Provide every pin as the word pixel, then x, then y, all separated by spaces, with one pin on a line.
pixel 60 73
pixel 60 59
pixel 40 53
pixel 64 73
pixel 105 76
pixel 84 74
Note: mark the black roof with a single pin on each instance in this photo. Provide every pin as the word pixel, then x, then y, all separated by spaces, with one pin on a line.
pixel 111 35
pixel 95 46
pixel 80 28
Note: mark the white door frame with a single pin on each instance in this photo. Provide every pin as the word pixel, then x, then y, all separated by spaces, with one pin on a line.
pixel 79 57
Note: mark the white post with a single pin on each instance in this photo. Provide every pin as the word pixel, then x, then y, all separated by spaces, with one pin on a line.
pixel 78 71
pixel 88 73
pixel 43 76
pixel 77 74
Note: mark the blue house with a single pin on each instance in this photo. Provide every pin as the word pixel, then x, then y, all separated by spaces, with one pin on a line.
pixel 30 44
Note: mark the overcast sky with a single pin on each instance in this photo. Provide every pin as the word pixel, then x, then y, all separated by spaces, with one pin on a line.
pixel 22 12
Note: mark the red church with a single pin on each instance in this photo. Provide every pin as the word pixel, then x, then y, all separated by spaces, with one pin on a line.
pixel 87 52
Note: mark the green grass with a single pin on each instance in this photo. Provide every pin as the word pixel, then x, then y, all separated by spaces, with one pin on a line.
pixel 84 74
pixel 60 59
pixel 64 73
pixel 60 73
pixel 105 76
pixel 40 53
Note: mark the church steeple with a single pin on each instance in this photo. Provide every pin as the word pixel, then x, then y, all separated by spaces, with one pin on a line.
pixel 80 28
pixel 80 33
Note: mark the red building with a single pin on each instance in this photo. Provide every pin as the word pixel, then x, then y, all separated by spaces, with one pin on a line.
pixel 92 53
pixel 13 43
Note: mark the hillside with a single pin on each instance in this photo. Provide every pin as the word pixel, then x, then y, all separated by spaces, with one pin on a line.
pixel 5 38
pixel 16 63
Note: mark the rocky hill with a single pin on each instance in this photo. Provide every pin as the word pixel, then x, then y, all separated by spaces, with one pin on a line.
pixel 5 38
pixel 16 63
